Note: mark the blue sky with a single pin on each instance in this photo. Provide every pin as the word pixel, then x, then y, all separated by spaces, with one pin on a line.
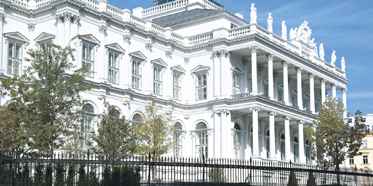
pixel 344 26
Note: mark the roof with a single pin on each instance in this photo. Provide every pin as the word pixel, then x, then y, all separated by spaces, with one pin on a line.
pixel 184 16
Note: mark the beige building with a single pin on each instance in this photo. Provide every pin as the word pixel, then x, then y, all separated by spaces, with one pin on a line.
pixel 365 160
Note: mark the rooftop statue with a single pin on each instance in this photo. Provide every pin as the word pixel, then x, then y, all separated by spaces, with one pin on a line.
pixel 253 14
pixel 270 22
pixel 321 51
pixel 304 33
pixel 293 34
pixel 343 64
pixel 284 34
pixel 334 58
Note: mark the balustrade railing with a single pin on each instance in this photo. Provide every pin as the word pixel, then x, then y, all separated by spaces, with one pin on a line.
pixel 239 31
pixel 211 4
pixel 114 11
pixel 137 21
pixel 242 95
pixel 164 7
pixel 23 3
pixel 159 30
pixel 202 38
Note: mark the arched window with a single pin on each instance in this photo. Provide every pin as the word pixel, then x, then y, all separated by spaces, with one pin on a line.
pixel 136 118
pixel 308 152
pixel 177 140
pixel 267 143
pixel 202 140
pixel 296 149
pixel 237 140
pixel 87 123
pixel 282 145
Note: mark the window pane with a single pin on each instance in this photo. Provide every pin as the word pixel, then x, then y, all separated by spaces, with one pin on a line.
pixel 18 51
pixel 11 45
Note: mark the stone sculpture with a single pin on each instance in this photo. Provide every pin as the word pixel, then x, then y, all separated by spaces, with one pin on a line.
pixel 334 58
pixel 293 34
pixel 253 14
pixel 343 64
pixel 270 22
pixel 284 31
pixel 321 51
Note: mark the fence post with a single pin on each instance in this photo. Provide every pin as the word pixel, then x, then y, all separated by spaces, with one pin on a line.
pixel 149 170
pixel 88 166
pixel 203 169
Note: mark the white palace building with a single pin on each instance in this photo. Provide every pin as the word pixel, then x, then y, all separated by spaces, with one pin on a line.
pixel 236 90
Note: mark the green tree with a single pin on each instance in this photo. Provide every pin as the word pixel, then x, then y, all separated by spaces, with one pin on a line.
pixel 332 137
pixel 153 132
pixel 311 180
pixel 8 129
pixel 217 175
pixel 113 137
pixel 292 179
pixel 46 97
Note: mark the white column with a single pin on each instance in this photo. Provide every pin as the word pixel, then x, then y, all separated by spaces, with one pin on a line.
pixel 322 90
pixel 302 157
pixel 167 78
pixel 334 90
pixel 312 92
pixel 147 73
pixel 74 32
pixel 217 130
pixel 272 132
pixel 228 147
pixel 60 30
pixel 287 138
pixel 299 88
pixel 67 21
pixel 255 111
pixel 126 70
pixel 224 56
pixel 216 73
pixel 244 78
pixel 247 137
pixel 254 69
pixel 2 63
pixel 270 76
pixel 102 64
pixel 344 100
pixel 285 82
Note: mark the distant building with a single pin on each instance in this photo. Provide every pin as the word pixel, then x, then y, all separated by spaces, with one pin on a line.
pixel 236 89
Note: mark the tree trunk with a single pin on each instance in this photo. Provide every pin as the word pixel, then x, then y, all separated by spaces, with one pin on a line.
pixel 337 169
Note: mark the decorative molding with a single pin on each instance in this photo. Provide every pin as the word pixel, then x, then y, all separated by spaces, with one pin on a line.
pixel 298 70
pixel 256 109
pixel 270 56
pixel 44 36
pixel 31 27
pixel 67 16
pixel 287 117
pixel 159 62
pixel 90 38
pixel 200 68
pixel 285 63
pixel 17 36
pixel 322 80
pixel 311 75
pixel 254 49
pixel 271 113
pixel 332 85
pixel 2 17
pixel 76 19
pixel 148 46
pixel 178 68
pixel 186 60
pixel 224 53
pixel 102 29
pixel 138 55
pixel 127 38
pixel 186 116
pixel 344 90
pixel 216 54
pixel 59 18
pixel 116 47
pixel 169 53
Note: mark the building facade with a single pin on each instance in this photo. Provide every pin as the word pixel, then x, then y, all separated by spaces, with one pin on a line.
pixel 236 90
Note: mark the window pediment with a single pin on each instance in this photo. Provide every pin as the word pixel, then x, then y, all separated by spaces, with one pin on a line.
pixel 17 36
pixel 178 68
pixel 200 68
pixel 159 62
pixel 116 47
pixel 237 69
pixel 44 37
pixel 138 55
pixel 90 38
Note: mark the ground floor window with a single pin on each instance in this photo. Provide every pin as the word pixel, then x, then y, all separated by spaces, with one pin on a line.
pixel 365 159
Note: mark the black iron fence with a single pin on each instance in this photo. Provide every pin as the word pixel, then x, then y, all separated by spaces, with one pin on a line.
pixel 87 169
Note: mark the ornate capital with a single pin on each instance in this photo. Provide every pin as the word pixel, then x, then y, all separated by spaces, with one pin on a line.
pixel 254 49
pixel 287 117
pixel 322 80
pixel 2 16
pixel 298 69
pixel 302 122
pixel 285 63
pixel 148 46
pixel 67 16
pixel 255 109
pixel 31 27
pixel 186 60
pixel 169 53
pixel 102 29
pixel 332 85
pixel 216 54
pixel 225 53
pixel 270 56
pixel 311 75
pixel 127 38
pixel 271 113
pixel 344 90
pixel 59 18
pixel 76 19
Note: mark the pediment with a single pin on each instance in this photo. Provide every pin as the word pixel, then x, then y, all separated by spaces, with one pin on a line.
pixel 44 36
pixel 139 55
pixel 178 68
pixel 237 69
pixel 90 38
pixel 159 62
pixel 17 35
pixel 115 47
pixel 200 68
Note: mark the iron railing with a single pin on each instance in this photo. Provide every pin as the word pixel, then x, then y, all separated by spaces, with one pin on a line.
pixel 87 169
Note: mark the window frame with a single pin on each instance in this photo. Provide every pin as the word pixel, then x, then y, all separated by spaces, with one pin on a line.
pixel 202 87
pixel 365 159
pixel 139 75
pixel 87 134
pixel 20 59
pixel 159 81
pixel 296 149
pixel 237 140
pixel 364 145
pixel 178 142
pixel 91 61
pixel 177 87
pixel 113 69
pixel 201 140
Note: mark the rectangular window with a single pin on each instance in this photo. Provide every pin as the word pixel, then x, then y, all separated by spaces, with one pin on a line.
pixel 14 58
pixel 365 159
pixel 236 83
pixel 364 146
pixel 202 142
pixel 177 144
pixel 350 120
pixel 294 100
pixel 88 58
pixel 363 120
pixel 136 74
pixel 157 81
pixel 352 161
pixel 176 86
pixel 86 129
pixel 266 90
pixel 306 104
pixel 201 87
pixel 113 68
pixel 280 95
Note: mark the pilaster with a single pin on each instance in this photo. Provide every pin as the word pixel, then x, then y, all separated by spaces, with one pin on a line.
pixel 299 88
pixel 287 138
pixel 285 81
pixel 216 56
pixel 254 71
pixel 312 92
pixel 270 76
pixel 255 122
